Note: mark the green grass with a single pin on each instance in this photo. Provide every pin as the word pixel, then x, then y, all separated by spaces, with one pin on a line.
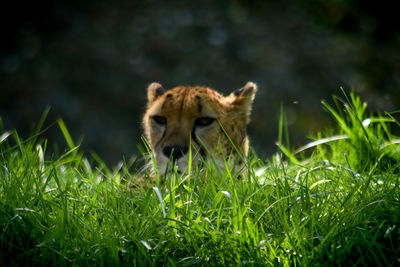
pixel 332 202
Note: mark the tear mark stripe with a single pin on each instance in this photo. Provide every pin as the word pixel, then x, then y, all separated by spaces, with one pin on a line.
pixel 162 137
pixel 201 150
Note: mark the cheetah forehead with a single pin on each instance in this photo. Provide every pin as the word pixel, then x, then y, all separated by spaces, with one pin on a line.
pixel 191 100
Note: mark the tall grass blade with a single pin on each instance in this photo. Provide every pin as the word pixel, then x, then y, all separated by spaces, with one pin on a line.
pixel 66 134
pixel 4 136
pixel 320 142
pixel 160 199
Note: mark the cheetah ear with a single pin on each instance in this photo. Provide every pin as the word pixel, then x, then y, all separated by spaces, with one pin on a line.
pixel 242 99
pixel 244 95
pixel 154 90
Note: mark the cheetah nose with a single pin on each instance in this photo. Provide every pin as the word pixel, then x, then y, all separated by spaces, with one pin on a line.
pixel 176 152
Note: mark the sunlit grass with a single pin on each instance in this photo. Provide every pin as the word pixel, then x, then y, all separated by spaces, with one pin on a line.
pixel 334 201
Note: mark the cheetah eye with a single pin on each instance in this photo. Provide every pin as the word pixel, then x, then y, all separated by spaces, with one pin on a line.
pixel 159 119
pixel 203 121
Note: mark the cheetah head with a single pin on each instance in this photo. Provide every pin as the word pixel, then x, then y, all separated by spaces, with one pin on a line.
pixel 200 120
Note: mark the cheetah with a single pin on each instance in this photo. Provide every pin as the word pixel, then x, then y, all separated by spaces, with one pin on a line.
pixel 198 121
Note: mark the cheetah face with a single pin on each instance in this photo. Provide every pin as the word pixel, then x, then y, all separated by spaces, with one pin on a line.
pixel 197 119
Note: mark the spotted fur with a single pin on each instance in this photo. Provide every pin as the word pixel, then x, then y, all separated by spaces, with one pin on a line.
pixel 199 116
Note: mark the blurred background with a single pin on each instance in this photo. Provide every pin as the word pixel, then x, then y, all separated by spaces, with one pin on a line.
pixel 91 61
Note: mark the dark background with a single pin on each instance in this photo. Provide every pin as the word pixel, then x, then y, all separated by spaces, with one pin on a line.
pixel 92 60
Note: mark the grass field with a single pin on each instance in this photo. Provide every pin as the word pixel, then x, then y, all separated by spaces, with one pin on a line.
pixel 335 201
